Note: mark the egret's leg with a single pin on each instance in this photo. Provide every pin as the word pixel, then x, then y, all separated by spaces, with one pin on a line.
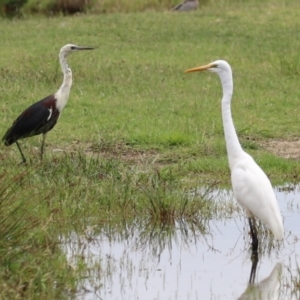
pixel 42 146
pixel 254 236
pixel 23 157
pixel 254 259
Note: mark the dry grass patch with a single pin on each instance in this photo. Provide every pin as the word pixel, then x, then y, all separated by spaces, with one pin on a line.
pixel 283 148
pixel 119 151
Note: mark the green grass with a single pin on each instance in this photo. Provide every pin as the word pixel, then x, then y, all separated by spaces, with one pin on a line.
pixel 31 262
pixel 137 133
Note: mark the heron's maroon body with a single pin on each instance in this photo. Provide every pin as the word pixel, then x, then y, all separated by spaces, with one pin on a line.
pixel 39 118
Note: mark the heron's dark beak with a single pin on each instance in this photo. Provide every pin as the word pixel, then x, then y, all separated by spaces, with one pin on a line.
pixel 84 48
pixel 202 68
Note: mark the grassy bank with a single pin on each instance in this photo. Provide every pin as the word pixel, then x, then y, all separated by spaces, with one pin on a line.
pixel 137 133
pixel 132 91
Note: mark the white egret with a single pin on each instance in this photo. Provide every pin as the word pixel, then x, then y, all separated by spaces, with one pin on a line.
pixel 251 187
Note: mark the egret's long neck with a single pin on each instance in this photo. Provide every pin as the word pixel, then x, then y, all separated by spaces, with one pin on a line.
pixel 62 95
pixel 234 149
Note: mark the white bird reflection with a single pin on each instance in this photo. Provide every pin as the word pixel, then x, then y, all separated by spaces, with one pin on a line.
pixel 267 289
pixel 205 260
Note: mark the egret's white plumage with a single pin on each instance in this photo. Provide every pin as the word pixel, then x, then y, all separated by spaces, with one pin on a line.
pixel 251 187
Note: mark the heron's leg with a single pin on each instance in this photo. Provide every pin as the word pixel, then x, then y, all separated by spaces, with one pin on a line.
pixel 23 157
pixel 254 236
pixel 254 259
pixel 42 146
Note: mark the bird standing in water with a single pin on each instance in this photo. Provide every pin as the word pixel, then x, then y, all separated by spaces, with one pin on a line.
pixel 251 186
pixel 41 117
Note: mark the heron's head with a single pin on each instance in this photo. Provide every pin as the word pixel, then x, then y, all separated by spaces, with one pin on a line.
pixel 218 66
pixel 69 48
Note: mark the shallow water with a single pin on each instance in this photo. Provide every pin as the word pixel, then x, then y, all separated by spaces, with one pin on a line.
pixel 182 263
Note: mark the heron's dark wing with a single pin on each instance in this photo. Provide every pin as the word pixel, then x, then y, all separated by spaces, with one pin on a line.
pixel 38 118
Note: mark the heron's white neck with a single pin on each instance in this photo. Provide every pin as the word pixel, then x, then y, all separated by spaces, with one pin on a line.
pixel 234 149
pixel 62 95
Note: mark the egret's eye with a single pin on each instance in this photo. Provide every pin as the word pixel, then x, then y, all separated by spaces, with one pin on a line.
pixel 73 48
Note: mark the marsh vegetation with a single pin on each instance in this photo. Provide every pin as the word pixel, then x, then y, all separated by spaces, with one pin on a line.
pixel 138 137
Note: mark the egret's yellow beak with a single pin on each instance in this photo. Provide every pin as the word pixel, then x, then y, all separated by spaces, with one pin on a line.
pixel 202 68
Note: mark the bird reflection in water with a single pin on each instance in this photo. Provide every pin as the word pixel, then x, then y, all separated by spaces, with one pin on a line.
pixel 267 289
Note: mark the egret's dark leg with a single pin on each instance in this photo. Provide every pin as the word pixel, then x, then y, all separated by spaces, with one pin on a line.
pixel 42 146
pixel 23 157
pixel 254 236
pixel 254 259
